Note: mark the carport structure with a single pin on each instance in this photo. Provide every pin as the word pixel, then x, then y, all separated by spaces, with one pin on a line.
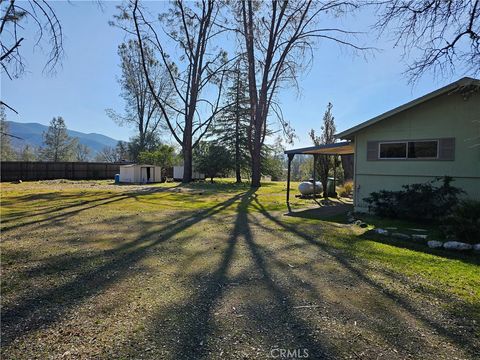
pixel 340 148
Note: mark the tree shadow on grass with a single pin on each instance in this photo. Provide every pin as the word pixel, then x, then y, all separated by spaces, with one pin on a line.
pixel 62 214
pixel 195 328
pixel 189 328
pixel 325 212
pixel 52 304
pixel 59 213
pixel 354 266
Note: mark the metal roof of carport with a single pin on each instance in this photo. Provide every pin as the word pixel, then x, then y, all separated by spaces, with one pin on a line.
pixel 340 148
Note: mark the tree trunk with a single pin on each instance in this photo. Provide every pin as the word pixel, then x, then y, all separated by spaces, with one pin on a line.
pixel 237 163
pixel 324 181
pixel 323 171
pixel 187 165
pixel 237 143
pixel 187 151
pixel 256 168
pixel 347 164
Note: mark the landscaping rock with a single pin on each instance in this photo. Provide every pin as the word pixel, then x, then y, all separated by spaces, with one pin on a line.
pixel 476 247
pixel 401 236
pixel 381 231
pixel 456 245
pixel 434 244
pixel 419 236
pixel 360 223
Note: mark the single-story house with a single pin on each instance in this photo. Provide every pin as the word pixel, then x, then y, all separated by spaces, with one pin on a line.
pixel 435 135
pixel 140 173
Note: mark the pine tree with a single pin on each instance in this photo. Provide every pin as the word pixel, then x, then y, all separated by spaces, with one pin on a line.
pixel 324 162
pixel 6 151
pixel 58 145
pixel 230 129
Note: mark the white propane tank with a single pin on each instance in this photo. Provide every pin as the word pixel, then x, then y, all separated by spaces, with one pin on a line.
pixel 306 187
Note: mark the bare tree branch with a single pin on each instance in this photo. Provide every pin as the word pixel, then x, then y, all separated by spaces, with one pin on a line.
pixel 446 34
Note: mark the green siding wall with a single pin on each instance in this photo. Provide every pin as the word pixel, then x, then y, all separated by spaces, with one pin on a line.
pixel 449 115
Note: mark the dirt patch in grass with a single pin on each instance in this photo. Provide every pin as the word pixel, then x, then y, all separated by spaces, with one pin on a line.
pixel 217 273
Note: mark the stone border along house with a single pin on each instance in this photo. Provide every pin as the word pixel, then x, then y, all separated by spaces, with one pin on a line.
pixel 433 136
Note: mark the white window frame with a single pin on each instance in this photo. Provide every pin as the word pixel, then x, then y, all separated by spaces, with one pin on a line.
pixel 406 142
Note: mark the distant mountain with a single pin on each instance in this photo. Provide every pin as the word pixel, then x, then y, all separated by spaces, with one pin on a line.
pixel 31 133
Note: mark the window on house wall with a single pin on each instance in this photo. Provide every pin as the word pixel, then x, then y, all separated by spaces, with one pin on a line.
pixel 423 149
pixel 393 150
pixel 433 149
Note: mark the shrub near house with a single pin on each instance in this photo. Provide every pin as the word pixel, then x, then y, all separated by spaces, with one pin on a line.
pixel 424 201
pixel 432 203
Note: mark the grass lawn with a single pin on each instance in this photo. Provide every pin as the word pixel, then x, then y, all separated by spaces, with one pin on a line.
pixel 91 270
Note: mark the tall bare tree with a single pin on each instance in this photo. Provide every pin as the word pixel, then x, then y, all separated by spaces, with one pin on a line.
pixel 81 152
pixel 197 74
pixel 446 33
pixel 278 38
pixel 141 108
pixel 14 15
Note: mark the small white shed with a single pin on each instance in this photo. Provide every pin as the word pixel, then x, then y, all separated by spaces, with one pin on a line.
pixel 178 174
pixel 140 173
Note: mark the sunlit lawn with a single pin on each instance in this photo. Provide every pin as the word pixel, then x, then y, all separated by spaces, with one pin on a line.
pixel 94 270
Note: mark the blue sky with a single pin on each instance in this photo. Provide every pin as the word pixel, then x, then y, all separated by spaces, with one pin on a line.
pixel 86 84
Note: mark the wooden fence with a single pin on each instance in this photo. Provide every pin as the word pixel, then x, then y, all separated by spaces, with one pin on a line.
pixel 39 170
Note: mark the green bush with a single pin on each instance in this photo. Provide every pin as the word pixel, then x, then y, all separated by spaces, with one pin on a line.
pixel 464 222
pixel 423 201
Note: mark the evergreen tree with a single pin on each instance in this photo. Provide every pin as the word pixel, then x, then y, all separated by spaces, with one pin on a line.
pixel 324 162
pixel 231 128
pixel 58 145
pixel 6 151
pixel 163 156
pixel 212 159
pixel 135 146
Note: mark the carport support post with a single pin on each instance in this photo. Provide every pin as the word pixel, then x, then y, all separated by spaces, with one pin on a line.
pixel 335 158
pixel 314 163
pixel 290 158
